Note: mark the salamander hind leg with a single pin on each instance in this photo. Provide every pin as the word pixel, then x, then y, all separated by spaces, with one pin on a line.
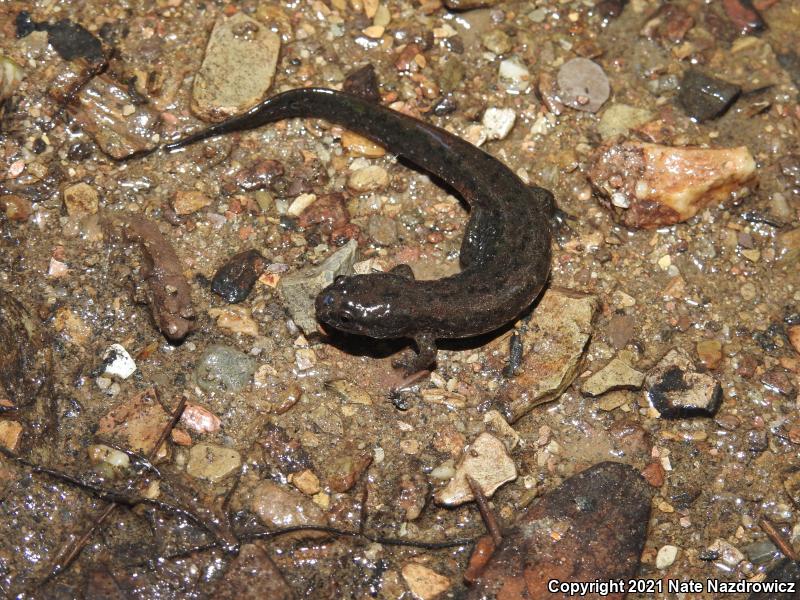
pixel 423 359
pixel 402 270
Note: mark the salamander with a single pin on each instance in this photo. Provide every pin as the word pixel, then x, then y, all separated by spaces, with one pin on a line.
pixel 505 253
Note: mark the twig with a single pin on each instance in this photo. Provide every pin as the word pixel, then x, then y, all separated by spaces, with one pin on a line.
pixel 486 511
pixel 776 537
pixel 274 533
pixel 71 552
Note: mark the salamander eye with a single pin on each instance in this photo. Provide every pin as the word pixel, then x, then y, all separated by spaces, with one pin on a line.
pixel 346 316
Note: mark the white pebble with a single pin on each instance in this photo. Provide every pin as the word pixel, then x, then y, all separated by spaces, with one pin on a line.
pixel 118 362
pixel 620 200
pixel 497 122
pixel 666 556
pixel 513 70
pixel 299 204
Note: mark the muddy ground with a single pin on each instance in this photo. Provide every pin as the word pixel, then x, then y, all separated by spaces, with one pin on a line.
pixel 310 431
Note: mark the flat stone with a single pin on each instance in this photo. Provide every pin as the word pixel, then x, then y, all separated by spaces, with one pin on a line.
pixel 207 461
pixel 236 319
pixel 187 202
pixel 593 526
pixel 710 353
pixel 677 390
pixel 368 179
pixel 136 423
pixel 487 462
pixel 105 110
pixel 222 368
pixel 424 583
pixel 349 392
pixel 299 289
pixel 200 419
pixel 358 145
pixel 238 67
pixel 649 185
pixel 616 375
pixel 277 506
pixel 497 425
pixel 81 200
pixel 10 434
pixel 553 345
pixel 619 119
pixel 583 85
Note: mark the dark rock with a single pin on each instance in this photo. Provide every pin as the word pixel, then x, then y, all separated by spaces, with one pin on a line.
pixel 259 175
pixel 79 151
pixel 329 212
pixel 611 9
pixel 677 390
pixel 593 526
pixel 786 570
pixel 704 98
pixel 363 82
pixel 744 15
pixel 69 39
pixel 445 106
pixel 235 279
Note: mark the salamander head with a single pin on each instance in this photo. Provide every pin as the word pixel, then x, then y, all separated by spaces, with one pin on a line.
pixel 370 305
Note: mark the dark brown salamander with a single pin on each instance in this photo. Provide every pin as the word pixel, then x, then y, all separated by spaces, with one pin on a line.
pixel 505 254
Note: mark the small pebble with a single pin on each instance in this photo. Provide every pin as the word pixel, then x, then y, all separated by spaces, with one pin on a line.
pixel 583 85
pixel 666 556
pixel 81 200
pixel 497 122
pixel 211 462
pixel 118 363
pixel 368 179
pixel 187 202
pixel 424 583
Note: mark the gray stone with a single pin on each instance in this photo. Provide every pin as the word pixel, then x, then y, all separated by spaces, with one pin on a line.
pixel 616 375
pixel 238 68
pixel 222 368
pixel 299 289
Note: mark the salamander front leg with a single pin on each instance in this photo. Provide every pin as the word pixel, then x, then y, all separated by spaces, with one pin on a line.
pixel 425 357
